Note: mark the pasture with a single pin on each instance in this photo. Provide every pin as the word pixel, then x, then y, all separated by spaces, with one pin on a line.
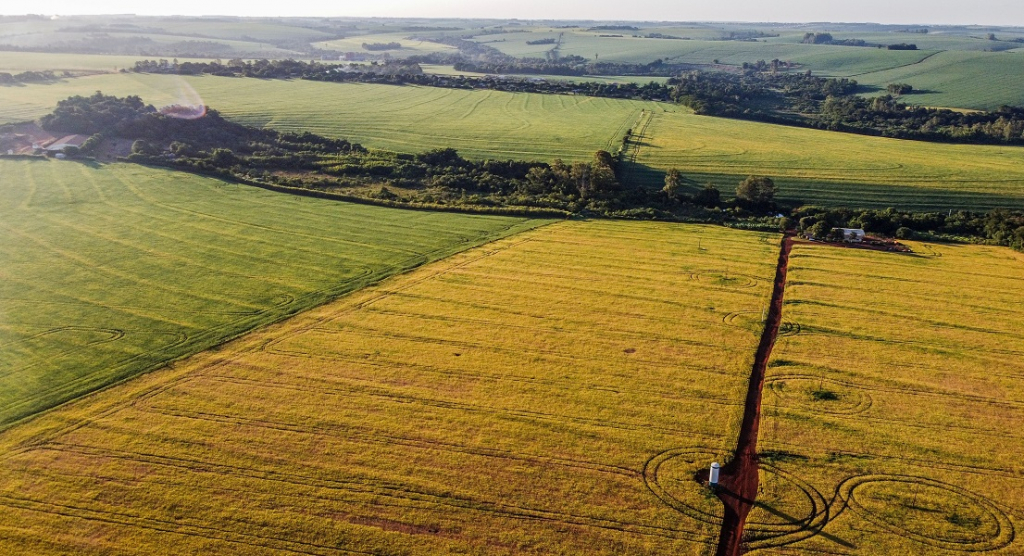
pixel 551 392
pixel 893 403
pixel 109 272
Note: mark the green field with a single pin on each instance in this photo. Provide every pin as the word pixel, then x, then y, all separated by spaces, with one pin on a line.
pixel 814 166
pixel 549 393
pixel 222 36
pixel 980 80
pixel 409 47
pixel 638 79
pixel 955 66
pixel 894 395
pixel 480 124
pixel 17 62
pixel 837 60
pixel 831 168
pixel 108 272
pixel 953 69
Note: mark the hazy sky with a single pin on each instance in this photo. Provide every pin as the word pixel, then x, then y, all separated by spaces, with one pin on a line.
pixel 988 12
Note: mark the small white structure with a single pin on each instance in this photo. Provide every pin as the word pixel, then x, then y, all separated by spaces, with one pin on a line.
pixel 713 476
pixel 851 235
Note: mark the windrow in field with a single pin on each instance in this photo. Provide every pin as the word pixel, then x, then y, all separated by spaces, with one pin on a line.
pixel 551 392
pixel 892 405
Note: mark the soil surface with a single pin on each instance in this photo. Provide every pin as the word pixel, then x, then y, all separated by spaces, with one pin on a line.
pixel 738 480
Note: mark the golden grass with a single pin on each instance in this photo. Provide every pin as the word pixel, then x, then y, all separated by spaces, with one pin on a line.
pixel 552 392
pixel 894 402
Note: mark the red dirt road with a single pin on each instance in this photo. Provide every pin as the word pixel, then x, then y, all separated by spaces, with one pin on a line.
pixel 738 480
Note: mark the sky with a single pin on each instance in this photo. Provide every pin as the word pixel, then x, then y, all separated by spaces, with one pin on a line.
pixel 928 12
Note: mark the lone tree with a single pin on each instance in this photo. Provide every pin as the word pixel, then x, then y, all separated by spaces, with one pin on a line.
pixel 673 184
pixel 899 89
pixel 758 191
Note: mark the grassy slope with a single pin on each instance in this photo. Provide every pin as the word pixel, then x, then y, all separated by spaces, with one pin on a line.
pixel 110 272
pixel 953 69
pixel 981 80
pixel 819 58
pixel 815 166
pixel 922 354
pixel 568 379
pixel 639 79
pixel 16 62
pixel 835 168
pixel 409 47
pixel 481 124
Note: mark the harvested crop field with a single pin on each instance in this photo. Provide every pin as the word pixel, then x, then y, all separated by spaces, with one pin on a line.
pixel 109 271
pixel 892 406
pixel 551 392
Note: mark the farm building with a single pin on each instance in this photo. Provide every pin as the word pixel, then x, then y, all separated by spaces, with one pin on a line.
pixel 67 141
pixel 851 235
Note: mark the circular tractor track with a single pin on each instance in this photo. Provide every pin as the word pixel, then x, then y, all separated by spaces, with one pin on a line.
pixel 795 391
pixel 803 511
pixel 724 279
pixel 966 522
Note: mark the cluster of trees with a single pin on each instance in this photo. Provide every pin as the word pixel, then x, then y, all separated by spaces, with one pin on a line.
pixel 467 50
pixel 805 100
pixel 441 177
pixel 886 116
pixel 817 38
pixel 826 38
pixel 400 72
pixel 28 77
pixel 758 95
pixel 279 69
pixel 902 46
pixel 999 227
pixel 755 194
pixel 542 41
pixel 214 145
pixel 761 92
pixel 572 65
pixel 899 89
pixel 662 36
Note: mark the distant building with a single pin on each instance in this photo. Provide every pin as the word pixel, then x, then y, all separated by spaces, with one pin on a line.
pixel 67 141
pixel 851 235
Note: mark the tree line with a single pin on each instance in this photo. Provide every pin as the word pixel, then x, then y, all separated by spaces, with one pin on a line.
pixel 762 92
pixel 441 178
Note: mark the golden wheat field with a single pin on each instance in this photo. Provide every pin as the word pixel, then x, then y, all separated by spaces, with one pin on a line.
pixel 893 405
pixel 552 392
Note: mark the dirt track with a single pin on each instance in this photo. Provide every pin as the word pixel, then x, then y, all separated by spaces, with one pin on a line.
pixel 738 480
